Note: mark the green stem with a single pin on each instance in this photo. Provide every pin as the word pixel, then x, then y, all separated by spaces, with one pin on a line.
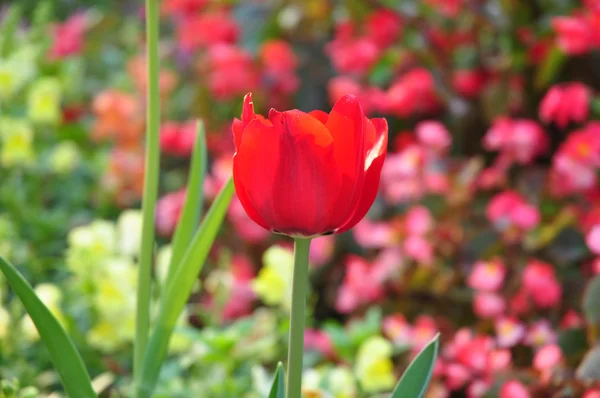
pixel 296 341
pixel 142 319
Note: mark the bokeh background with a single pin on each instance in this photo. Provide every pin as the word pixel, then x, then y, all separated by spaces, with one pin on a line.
pixel 486 228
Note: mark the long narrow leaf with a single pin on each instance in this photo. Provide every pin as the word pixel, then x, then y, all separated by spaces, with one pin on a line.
pixel 278 387
pixel 194 201
pixel 415 380
pixel 180 289
pixel 63 353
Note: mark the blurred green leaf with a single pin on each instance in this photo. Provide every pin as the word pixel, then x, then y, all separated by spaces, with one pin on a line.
pixel 66 359
pixel 180 289
pixel 415 379
pixel 194 201
pixel 549 68
pixel 589 369
pixel 8 28
pixel 278 387
pixel 591 301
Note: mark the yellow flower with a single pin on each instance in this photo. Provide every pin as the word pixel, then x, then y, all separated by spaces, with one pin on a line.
pixel 129 227
pixel 374 368
pixel 17 142
pixel 89 247
pixel 44 101
pixel 65 157
pixel 4 323
pixel 341 384
pixel 14 73
pixel 272 284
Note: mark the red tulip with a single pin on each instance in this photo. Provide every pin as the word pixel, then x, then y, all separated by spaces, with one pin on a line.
pixel 308 174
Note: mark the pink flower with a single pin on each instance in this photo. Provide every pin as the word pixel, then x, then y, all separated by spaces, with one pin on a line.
pixel 457 376
pixel 571 320
pixel 419 249
pixel 370 235
pixel 520 139
pixel 565 103
pixel 358 287
pixel 413 93
pixel 468 83
pixel 184 7
pixel 574 34
pixel 509 331
pixel 168 211
pixel 540 334
pixel 488 305
pixel 487 275
pixel 539 281
pixel 593 240
pixel 350 54
pixel 418 221
pixel 383 26
pixel 231 71
pixel 317 340
pixel 321 250
pixel 424 329
pixel 396 328
pixel 241 294
pixel 68 37
pixel 592 394
pixel 207 29
pixel 547 357
pixel 178 138
pixel 514 389
pixel 433 135
pixel 509 209
pixel 279 63
pixel 400 175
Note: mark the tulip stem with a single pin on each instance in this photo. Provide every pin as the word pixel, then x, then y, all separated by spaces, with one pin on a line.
pixel 142 320
pixel 297 318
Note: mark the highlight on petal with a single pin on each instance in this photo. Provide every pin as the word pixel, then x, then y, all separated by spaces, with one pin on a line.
pixel 373 165
pixel 320 115
pixel 347 127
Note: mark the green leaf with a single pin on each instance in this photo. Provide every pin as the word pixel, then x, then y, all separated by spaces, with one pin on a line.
pixel 415 380
pixel 591 301
pixel 194 201
pixel 278 387
pixel 549 68
pixel 179 290
pixel 63 353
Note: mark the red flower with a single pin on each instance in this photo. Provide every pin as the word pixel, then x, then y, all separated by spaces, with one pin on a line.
pixel 178 138
pixel 565 103
pixel 574 34
pixel 68 37
pixel 308 174
pixel 207 29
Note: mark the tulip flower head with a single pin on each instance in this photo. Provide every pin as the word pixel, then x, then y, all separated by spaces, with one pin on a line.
pixel 308 174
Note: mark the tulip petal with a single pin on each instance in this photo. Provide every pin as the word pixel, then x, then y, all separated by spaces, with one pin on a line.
pixel 346 125
pixel 307 179
pixel 247 116
pixel 373 163
pixel 319 115
pixel 254 166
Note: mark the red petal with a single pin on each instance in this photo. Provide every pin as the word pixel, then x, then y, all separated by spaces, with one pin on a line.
pixel 373 164
pixel 254 166
pixel 307 180
pixel 237 127
pixel 320 115
pixel 346 125
pixel 247 116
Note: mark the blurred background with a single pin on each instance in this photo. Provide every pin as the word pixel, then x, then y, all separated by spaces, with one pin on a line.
pixel 486 228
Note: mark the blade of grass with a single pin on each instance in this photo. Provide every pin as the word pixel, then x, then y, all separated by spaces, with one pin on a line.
pixel 278 386
pixel 194 201
pixel 179 290
pixel 415 380
pixel 64 355
pixel 142 319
